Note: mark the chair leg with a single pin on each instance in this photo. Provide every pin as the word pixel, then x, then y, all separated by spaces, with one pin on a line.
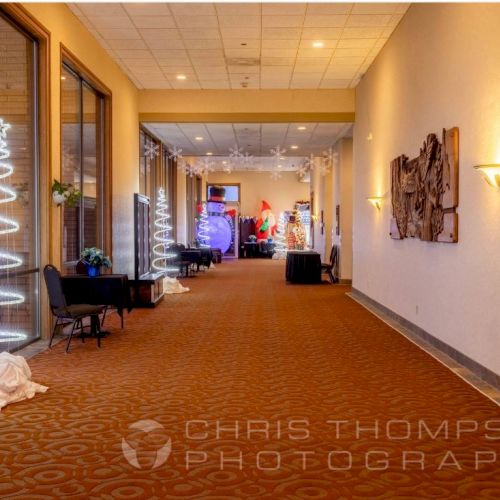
pixel 53 333
pixel 71 335
pixel 332 279
pixel 104 316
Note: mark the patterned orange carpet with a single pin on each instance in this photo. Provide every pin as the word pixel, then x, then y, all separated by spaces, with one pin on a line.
pixel 250 388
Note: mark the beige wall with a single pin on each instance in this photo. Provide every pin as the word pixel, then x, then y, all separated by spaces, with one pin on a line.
pixel 440 69
pixel 65 28
pixel 258 186
pixel 318 196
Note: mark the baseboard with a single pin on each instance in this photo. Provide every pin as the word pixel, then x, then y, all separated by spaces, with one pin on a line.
pixel 345 282
pixel 480 371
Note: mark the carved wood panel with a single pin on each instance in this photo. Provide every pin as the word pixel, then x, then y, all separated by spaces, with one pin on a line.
pixel 424 191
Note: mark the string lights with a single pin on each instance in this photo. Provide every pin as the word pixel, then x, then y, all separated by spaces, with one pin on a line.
pixel 8 260
pixel 203 225
pixel 162 238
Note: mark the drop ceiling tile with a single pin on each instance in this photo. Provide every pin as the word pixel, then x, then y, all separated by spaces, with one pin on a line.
pixel 402 7
pixel 363 21
pixel 241 43
pixel 279 53
pixel 243 53
pixel 127 44
pixel 112 22
pixel 201 9
pixel 321 33
pixel 360 43
pixel 238 9
pixel 203 44
pixel 200 53
pixel 155 84
pixel 185 84
pixel 276 71
pixel 362 32
pixel 325 21
pixel 209 71
pixel 199 34
pixel 280 44
pixel 351 52
pixel 134 54
pixel 328 8
pixel 160 44
pixel 247 70
pixel 387 32
pixel 280 33
pixel 250 33
pixel 146 9
pixel 282 21
pixel 159 34
pixel 216 84
pixel 277 61
pixel 119 34
pixel 328 44
pixel 243 21
pixel 396 19
pixel 283 9
pixel 205 22
pixel 341 72
pixel 380 43
pixel 172 75
pixel 170 62
pixel 154 22
pixel 316 53
pixel 374 8
pixel 347 61
pixel 101 9
pixel 208 61
pixel 170 54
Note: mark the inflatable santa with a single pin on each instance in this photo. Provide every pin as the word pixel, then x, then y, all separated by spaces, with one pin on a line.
pixel 266 224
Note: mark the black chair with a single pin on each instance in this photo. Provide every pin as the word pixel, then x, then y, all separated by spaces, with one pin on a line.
pixel 73 314
pixel 332 267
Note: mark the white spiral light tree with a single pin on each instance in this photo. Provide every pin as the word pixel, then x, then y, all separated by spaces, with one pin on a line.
pixel 8 261
pixel 162 239
pixel 203 225
pixel 280 248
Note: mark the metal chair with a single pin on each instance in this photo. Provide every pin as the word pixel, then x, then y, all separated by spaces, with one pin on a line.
pixel 72 314
pixel 332 267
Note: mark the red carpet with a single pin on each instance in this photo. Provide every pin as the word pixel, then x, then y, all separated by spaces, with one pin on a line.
pixel 280 361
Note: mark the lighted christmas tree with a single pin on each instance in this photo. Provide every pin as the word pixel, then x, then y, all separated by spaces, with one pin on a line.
pixel 280 248
pixel 162 239
pixel 203 236
pixel 8 261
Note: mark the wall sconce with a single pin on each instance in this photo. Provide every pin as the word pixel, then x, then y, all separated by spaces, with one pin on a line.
pixel 376 201
pixel 491 173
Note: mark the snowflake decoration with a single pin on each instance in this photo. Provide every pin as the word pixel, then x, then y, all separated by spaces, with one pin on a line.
pixel 309 162
pixel 278 152
pixel 324 169
pixel 235 152
pixel 302 170
pixel 151 150
pixel 330 157
pixel 227 167
pixel 204 167
pixel 176 153
pixel 248 159
pixel 187 168
pixel 275 175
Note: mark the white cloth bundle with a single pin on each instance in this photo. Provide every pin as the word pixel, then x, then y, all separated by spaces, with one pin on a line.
pixel 15 380
pixel 173 285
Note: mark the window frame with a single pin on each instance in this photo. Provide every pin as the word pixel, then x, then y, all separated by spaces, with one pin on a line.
pixel 105 237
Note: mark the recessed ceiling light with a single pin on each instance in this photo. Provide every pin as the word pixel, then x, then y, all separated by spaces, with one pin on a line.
pixel 282 157
pixel 243 44
pixel 181 77
pixel 294 146
pixel 209 153
pixel 318 45
pixel 302 128
pixel 224 162
pixel 198 138
pixel 63 78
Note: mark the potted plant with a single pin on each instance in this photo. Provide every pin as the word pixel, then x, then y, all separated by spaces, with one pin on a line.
pixel 94 259
pixel 65 194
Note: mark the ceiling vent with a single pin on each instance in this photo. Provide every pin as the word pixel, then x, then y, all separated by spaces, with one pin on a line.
pixel 242 61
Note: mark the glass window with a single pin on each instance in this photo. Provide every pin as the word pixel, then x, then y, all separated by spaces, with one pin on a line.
pixel 19 247
pixel 82 122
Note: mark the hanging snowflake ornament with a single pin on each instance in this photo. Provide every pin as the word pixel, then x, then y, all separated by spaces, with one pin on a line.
pixel 151 150
pixel 275 175
pixel 204 167
pixel 302 170
pixel 176 153
pixel 235 152
pixel 278 152
pixel 227 167
pixel 248 159
pixel 324 169
pixel 309 162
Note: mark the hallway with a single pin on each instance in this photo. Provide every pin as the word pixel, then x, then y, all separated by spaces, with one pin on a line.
pixel 242 347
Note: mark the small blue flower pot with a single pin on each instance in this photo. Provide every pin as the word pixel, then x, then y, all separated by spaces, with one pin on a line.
pixel 92 271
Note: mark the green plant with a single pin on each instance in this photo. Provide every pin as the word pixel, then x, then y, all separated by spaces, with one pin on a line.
pixel 65 193
pixel 95 257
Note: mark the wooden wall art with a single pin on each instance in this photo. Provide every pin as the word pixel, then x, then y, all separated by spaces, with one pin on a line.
pixel 424 191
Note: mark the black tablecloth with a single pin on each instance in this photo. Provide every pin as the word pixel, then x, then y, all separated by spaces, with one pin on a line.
pixel 192 255
pixel 303 267
pixel 106 290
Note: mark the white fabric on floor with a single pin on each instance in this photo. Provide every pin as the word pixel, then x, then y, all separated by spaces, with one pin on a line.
pixel 173 285
pixel 15 380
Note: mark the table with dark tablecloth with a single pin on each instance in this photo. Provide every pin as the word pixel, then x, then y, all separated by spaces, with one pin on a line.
pixel 105 290
pixel 303 266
